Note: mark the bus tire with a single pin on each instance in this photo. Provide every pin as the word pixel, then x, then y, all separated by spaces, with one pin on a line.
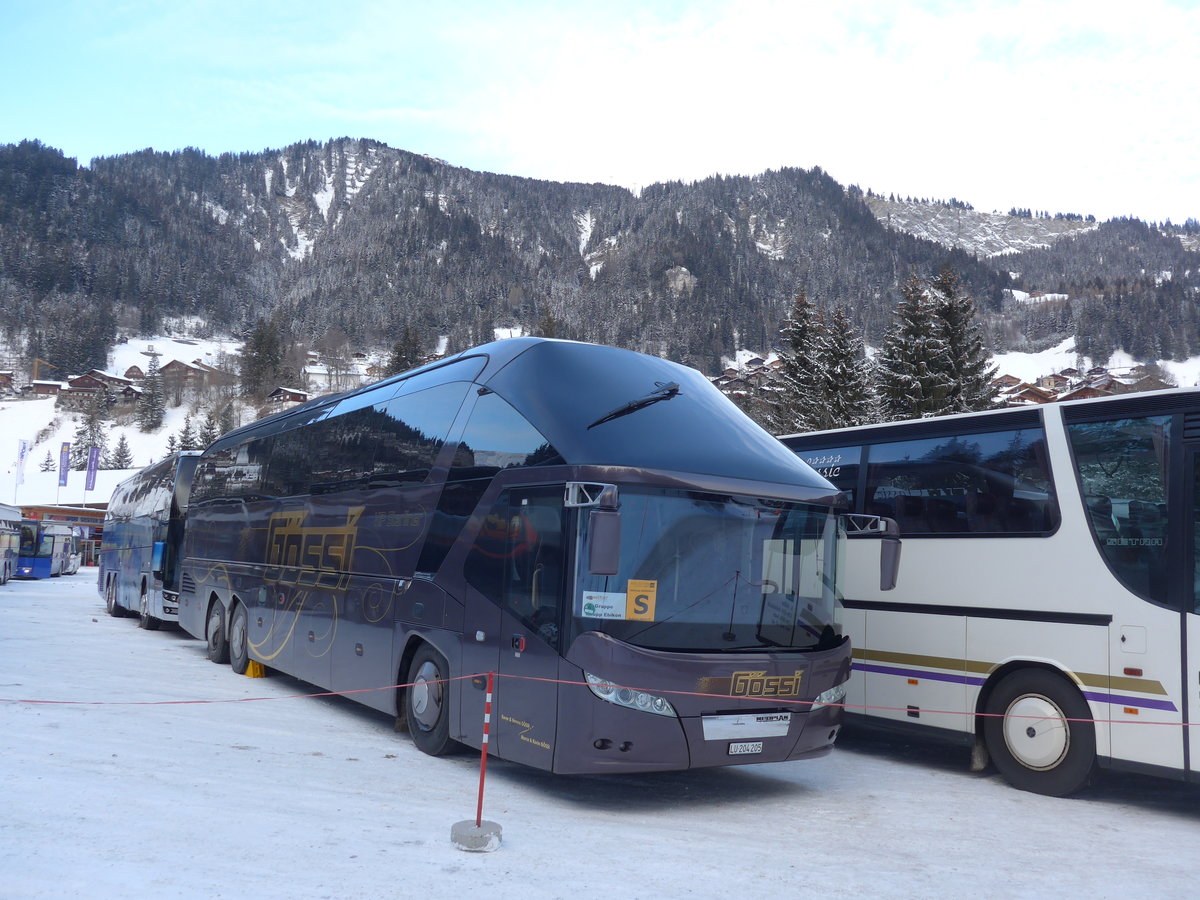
pixel 239 651
pixel 110 600
pixel 218 644
pixel 145 620
pixel 1039 733
pixel 427 702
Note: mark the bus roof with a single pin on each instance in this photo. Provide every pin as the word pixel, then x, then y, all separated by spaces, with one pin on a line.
pixel 599 405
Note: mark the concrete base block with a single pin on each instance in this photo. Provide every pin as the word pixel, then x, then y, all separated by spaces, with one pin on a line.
pixel 482 838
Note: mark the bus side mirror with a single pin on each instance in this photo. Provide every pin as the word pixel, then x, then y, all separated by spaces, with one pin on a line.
pixel 889 555
pixel 604 548
pixel 888 533
pixel 156 561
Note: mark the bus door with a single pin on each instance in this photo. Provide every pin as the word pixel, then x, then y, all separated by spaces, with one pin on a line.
pixel 1191 614
pixel 515 573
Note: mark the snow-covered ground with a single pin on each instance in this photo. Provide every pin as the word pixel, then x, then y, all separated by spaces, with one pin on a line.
pixel 133 767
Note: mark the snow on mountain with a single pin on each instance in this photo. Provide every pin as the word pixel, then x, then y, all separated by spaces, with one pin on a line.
pixel 983 234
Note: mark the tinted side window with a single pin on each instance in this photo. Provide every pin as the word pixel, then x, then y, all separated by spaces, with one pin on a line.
pixel 1123 469
pixel 232 472
pixel 996 483
pixel 498 437
pixel 455 506
pixel 290 469
pixel 410 430
pixel 838 465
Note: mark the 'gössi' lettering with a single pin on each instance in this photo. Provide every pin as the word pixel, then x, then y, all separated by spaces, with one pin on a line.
pixel 760 684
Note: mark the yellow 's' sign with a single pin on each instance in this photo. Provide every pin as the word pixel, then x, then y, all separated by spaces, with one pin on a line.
pixel 640 599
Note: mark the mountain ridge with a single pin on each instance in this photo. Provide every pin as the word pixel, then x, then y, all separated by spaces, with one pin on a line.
pixel 353 237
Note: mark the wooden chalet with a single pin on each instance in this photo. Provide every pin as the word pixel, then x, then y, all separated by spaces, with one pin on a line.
pixel 287 395
pixel 1024 394
pixel 1084 392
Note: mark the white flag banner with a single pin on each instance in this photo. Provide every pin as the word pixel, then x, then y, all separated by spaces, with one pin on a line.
pixel 22 455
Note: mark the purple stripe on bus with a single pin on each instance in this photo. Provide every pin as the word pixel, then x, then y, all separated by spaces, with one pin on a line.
pixel 1115 699
pixel 918 673
pixel 1122 700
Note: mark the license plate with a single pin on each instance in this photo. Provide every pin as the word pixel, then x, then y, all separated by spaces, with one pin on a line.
pixel 740 747
pixel 745 725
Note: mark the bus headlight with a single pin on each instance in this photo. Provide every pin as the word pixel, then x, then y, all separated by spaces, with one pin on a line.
pixel 832 697
pixel 629 697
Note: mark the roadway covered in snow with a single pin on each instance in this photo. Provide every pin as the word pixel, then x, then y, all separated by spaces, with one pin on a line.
pixel 168 776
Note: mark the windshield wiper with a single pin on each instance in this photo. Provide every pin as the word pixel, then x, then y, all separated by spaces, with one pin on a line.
pixel 661 392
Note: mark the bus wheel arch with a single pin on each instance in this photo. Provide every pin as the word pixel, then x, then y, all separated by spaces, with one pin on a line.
pixel 239 645
pixel 425 701
pixel 216 632
pixel 1038 730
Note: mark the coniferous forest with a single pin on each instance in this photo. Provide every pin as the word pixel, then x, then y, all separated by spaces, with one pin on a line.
pixel 389 248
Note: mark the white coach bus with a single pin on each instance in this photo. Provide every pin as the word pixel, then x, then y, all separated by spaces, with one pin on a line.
pixel 1048 614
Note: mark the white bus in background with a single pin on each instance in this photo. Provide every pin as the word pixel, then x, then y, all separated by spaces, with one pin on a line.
pixel 1047 614
pixel 10 541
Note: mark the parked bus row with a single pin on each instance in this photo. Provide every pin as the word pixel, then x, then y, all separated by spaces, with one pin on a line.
pixel 36 549
pixel 1049 612
pixel 653 578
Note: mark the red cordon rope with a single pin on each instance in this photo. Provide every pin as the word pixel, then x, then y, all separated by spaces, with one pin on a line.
pixel 478 675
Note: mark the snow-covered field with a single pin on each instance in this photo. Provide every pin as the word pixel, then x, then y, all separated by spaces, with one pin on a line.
pixel 133 767
pixel 1030 366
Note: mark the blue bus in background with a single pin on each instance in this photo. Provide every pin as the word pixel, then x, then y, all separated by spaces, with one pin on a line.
pixel 143 530
pixel 43 550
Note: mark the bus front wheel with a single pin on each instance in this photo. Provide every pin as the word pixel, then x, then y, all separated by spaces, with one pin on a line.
pixel 1039 733
pixel 427 703
pixel 145 620
pixel 218 644
pixel 239 653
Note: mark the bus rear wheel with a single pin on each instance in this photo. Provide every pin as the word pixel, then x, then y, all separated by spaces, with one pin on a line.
pixel 218 645
pixel 1039 733
pixel 239 652
pixel 427 703
pixel 110 600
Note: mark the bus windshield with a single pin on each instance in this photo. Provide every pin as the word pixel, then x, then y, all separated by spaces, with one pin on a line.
pixel 707 572
pixel 29 540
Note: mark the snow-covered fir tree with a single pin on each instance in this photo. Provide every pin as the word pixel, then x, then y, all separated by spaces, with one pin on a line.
pixel 793 391
pixel 187 435
pixel 208 431
pixel 845 377
pixel 90 432
pixel 228 419
pixel 48 464
pixel 153 405
pixel 965 362
pixel 910 379
pixel 122 456
pixel 406 352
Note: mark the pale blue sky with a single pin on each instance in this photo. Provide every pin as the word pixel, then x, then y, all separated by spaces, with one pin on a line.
pixel 1085 106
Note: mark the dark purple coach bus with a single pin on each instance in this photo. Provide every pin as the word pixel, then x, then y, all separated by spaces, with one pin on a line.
pixel 650 575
